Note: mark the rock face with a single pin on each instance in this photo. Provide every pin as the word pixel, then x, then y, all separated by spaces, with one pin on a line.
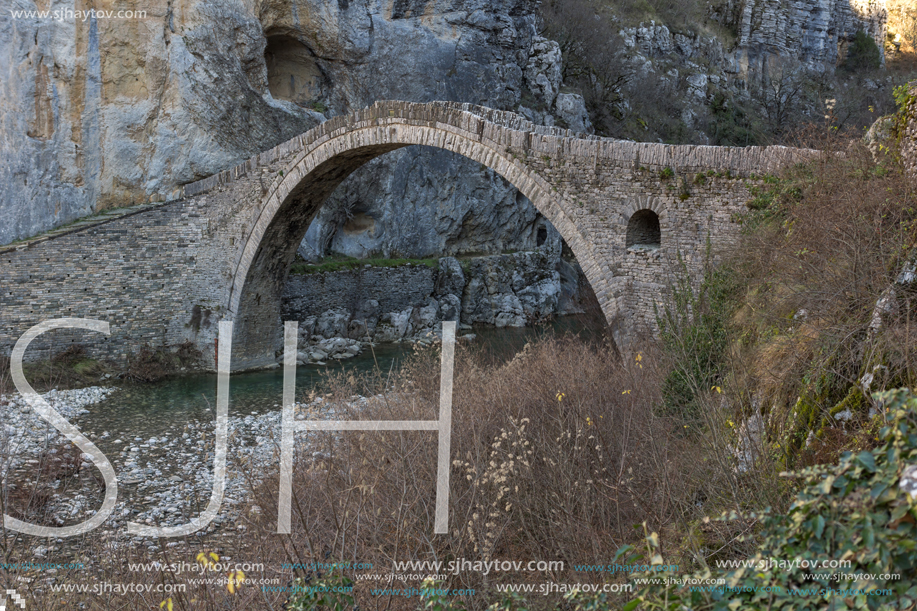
pixel 909 139
pixel 391 304
pixel 118 111
pixel 814 32
pixel 421 202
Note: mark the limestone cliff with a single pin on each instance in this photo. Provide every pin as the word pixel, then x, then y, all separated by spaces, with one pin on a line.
pixel 101 112
pixel 814 32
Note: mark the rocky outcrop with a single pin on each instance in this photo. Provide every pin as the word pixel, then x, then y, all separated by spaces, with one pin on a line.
pixel 511 290
pixel 815 33
pixel 422 202
pixel 909 137
pixel 780 68
pixel 339 312
pixel 118 111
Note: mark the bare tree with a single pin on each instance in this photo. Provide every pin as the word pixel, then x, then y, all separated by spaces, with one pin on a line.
pixel 784 90
pixel 593 59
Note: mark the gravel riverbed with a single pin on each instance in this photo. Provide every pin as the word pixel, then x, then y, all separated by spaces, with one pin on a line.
pixel 162 481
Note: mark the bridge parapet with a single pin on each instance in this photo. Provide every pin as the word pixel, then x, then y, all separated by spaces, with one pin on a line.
pixel 508 129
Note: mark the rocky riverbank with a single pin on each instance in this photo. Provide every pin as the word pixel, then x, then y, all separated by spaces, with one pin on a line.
pixel 163 481
pixel 342 313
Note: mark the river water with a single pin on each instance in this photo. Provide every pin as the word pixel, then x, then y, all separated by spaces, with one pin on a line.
pixel 166 407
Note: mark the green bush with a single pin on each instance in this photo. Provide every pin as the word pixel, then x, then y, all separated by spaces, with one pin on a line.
pixel 694 327
pixel 863 54
pixel 333 592
pixel 855 511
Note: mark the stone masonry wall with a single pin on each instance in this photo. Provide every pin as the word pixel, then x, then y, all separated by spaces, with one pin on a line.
pixel 394 288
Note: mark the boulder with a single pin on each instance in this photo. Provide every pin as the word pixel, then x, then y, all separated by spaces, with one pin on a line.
pixel 332 323
pixel 425 317
pixel 394 326
pixel 508 311
pixel 571 109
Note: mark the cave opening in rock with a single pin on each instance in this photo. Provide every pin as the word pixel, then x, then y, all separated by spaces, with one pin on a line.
pixel 643 230
pixel 292 72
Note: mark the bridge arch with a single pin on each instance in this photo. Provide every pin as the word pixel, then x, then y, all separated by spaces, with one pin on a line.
pixel 328 156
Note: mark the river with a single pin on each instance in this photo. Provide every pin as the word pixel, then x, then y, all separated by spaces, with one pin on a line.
pixel 151 410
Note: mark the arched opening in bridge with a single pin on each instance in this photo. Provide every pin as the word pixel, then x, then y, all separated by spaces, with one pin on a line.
pixel 643 230
pixel 455 242
pixel 269 258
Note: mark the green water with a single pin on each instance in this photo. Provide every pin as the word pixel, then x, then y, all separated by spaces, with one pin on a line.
pixel 150 410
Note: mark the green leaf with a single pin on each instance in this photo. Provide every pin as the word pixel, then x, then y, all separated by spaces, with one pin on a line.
pixel 867 460
pixel 899 512
pixel 621 551
pixel 631 605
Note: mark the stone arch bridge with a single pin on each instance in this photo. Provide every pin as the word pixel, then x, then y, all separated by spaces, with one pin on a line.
pixel 166 273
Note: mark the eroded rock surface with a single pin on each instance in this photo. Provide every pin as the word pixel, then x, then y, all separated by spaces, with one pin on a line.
pixel 110 112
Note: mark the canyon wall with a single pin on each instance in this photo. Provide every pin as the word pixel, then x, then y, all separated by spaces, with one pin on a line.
pixel 106 111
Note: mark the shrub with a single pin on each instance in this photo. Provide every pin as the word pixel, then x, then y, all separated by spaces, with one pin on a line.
pixel 857 511
pixel 863 54
pixel 693 327
pixel 556 455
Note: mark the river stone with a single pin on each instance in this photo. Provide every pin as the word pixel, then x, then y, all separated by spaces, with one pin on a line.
pixel 540 300
pixel 425 317
pixel 332 323
pixel 393 326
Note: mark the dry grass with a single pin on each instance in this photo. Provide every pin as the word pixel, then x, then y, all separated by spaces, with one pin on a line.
pixel 557 455
pixel 832 244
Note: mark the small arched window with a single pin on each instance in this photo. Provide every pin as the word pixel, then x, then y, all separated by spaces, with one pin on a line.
pixel 643 230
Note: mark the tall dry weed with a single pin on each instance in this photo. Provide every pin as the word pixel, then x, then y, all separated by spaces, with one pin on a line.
pixel 556 455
